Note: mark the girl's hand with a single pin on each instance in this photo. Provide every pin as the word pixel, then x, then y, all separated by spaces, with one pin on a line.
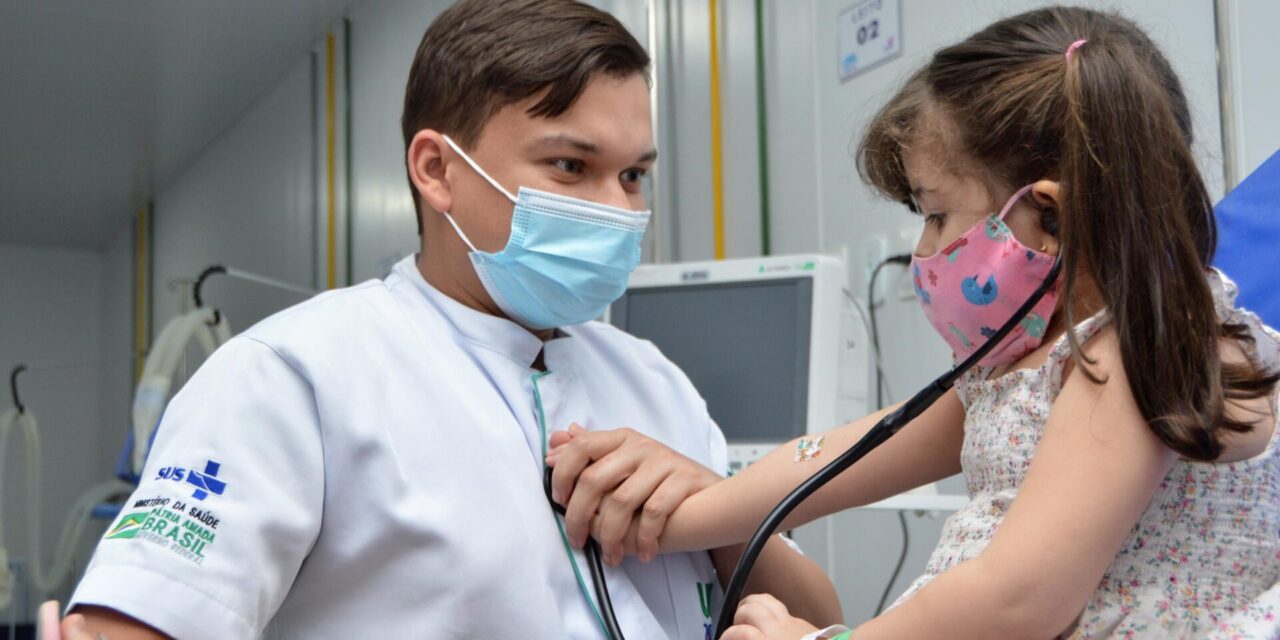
pixel 52 627
pixel 763 617
pixel 48 622
pixel 620 486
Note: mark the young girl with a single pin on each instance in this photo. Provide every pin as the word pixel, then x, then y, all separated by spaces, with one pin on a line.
pixel 1119 447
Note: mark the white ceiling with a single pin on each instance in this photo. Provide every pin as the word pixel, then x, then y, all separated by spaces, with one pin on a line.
pixel 103 101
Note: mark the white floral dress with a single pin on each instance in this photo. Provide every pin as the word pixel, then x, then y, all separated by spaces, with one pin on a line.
pixel 1204 559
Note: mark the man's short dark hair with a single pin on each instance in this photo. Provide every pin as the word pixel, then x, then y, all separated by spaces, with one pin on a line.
pixel 482 55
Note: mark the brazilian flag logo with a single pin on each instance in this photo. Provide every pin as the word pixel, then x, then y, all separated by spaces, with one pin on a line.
pixel 128 526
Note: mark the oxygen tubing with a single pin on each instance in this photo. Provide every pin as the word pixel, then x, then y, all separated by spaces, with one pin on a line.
pixel 210 330
pixel 77 518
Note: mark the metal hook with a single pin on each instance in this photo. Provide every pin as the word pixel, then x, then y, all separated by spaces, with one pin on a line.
pixel 13 387
pixel 195 291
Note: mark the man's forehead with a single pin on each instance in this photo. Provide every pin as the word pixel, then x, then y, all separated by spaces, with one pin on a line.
pixel 611 116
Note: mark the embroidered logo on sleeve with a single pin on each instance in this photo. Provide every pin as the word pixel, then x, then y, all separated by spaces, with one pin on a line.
pixel 129 526
pixel 205 483
pixel 186 530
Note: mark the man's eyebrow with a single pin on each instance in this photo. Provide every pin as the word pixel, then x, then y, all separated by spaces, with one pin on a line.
pixel 565 140
pixel 585 146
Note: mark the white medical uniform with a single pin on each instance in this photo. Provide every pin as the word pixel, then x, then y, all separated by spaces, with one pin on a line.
pixel 368 464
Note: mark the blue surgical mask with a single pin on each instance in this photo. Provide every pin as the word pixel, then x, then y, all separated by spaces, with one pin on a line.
pixel 566 261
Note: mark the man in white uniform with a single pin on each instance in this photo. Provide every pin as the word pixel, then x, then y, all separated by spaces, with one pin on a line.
pixel 369 464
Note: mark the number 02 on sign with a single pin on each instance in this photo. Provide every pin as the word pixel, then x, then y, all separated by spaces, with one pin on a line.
pixel 867 34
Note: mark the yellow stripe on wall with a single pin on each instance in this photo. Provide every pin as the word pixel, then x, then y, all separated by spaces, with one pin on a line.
pixel 717 157
pixel 140 294
pixel 330 162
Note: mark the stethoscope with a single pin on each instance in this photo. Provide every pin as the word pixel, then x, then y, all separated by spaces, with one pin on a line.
pixel 886 428
pixel 592 550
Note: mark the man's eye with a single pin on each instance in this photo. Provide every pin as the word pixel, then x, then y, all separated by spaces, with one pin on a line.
pixel 567 165
pixel 633 175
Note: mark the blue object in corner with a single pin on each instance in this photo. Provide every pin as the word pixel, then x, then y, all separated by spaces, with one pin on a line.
pixel 1249 240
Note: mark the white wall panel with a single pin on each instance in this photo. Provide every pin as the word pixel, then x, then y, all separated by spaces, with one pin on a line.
pixel 247 202
pixel 115 338
pixel 384 37
pixel 50 319
pixel 1254 87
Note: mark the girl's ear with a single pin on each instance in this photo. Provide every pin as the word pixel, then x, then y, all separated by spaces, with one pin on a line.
pixel 1047 193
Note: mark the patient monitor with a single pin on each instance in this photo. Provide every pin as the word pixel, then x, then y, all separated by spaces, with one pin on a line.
pixel 770 343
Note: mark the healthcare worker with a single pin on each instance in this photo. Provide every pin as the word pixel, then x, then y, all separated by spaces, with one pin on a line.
pixel 369 464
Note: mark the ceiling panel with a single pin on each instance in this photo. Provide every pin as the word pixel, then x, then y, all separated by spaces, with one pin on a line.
pixel 101 102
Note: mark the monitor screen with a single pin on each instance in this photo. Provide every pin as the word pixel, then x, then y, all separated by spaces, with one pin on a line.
pixel 745 346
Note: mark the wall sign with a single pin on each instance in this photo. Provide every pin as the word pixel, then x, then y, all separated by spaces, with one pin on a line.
pixel 867 34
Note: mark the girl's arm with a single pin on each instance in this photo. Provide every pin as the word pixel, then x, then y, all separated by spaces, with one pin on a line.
pixel 799 583
pixel 728 512
pixel 1095 471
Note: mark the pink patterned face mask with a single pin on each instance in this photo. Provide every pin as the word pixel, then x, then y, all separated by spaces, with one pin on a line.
pixel 974 285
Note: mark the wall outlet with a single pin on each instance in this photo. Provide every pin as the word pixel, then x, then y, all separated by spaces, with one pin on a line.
pixel 846 266
pixel 874 250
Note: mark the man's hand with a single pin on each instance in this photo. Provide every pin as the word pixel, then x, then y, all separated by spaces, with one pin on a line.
pixel 763 617
pixel 603 478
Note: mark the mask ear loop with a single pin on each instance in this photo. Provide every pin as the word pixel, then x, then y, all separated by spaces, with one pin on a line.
pixel 1008 206
pixel 460 233
pixel 480 171
pixel 490 180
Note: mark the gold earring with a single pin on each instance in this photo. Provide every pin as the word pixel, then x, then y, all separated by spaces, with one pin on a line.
pixel 1044 248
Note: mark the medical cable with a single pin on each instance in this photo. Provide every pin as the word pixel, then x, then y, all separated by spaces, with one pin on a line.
pixel 902 259
pixel 866 324
pixel 873 339
pixel 593 553
pixel 886 428
pixel 902 560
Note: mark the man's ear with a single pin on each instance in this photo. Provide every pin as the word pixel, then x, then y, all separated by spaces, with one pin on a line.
pixel 426 161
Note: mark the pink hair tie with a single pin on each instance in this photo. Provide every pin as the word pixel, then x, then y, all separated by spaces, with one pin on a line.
pixel 1074 45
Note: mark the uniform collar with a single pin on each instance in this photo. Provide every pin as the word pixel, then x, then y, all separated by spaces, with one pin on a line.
pixel 481 329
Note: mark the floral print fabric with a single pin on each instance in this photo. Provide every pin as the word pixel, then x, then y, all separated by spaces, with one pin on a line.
pixel 1203 560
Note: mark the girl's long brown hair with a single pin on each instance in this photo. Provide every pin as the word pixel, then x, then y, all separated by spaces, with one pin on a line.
pixel 1111 123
